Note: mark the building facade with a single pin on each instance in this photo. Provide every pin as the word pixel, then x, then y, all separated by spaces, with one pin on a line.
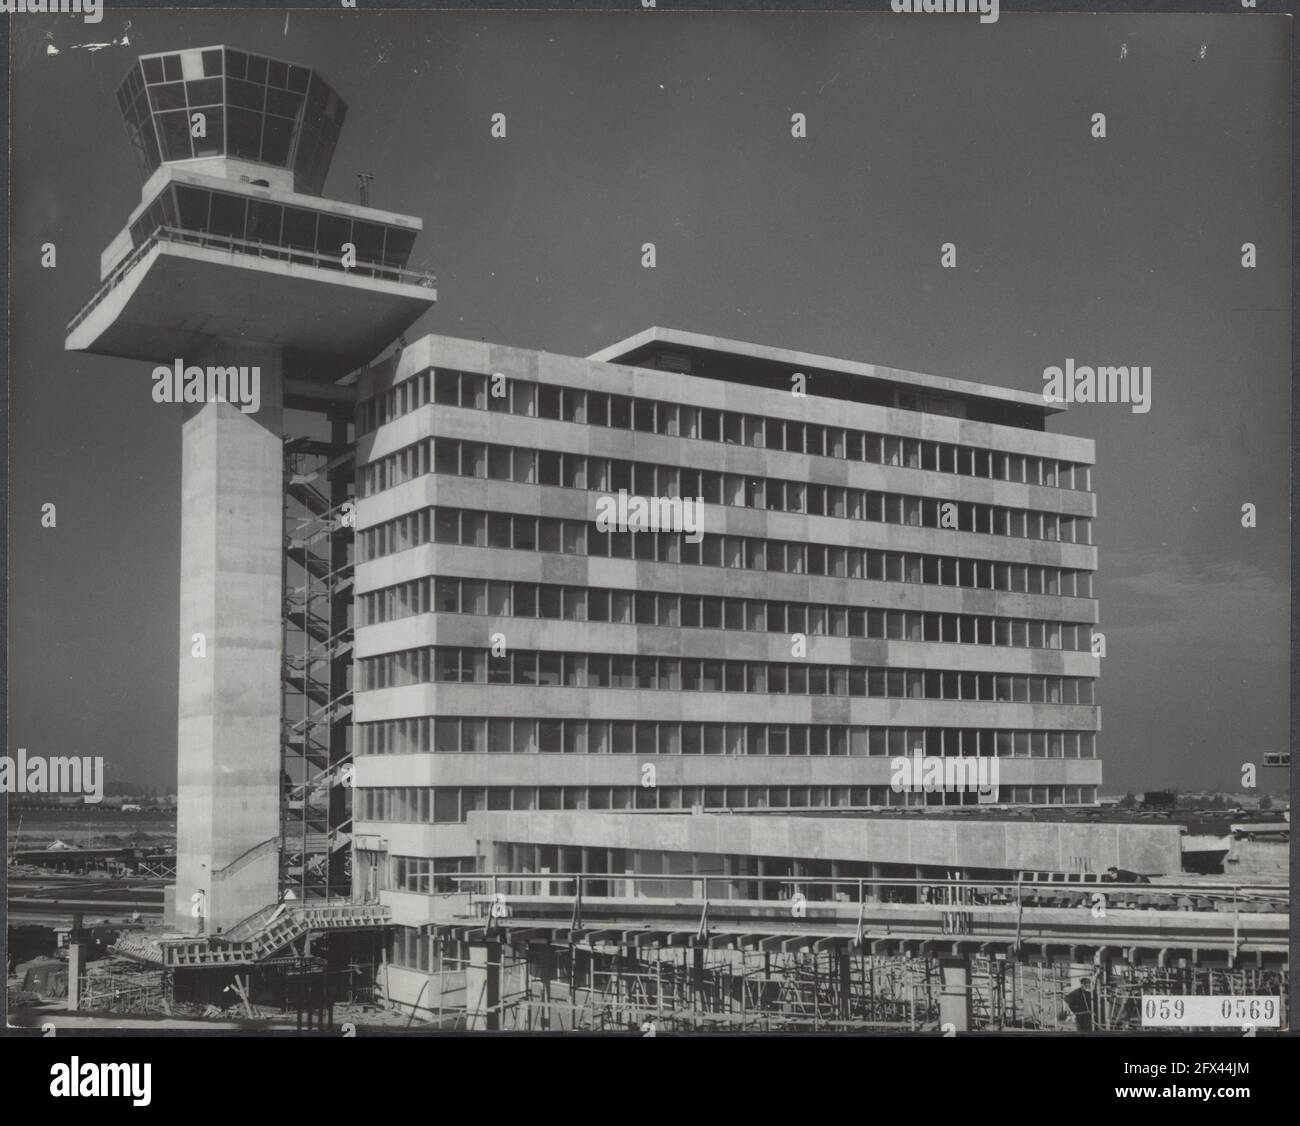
pixel 890 564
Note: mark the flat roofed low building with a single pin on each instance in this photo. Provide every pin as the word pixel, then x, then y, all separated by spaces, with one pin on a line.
pixel 886 565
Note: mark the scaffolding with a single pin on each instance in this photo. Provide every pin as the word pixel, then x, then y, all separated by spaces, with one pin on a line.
pixel 558 987
pixel 316 755
pixel 112 986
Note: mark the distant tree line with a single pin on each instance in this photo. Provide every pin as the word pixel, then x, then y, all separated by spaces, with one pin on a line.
pixel 1187 801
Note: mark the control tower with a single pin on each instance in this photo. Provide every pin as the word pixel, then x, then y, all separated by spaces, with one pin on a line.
pixel 234 260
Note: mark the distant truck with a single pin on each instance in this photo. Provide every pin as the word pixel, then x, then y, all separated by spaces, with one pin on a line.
pixel 1159 799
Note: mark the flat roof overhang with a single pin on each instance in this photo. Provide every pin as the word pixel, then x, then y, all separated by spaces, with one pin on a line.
pixel 176 296
pixel 633 349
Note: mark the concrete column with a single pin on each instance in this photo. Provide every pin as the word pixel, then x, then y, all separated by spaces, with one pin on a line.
pixel 340 668
pixel 954 999
pixel 546 971
pixel 76 967
pixel 483 987
pixel 228 729
pixel 845 957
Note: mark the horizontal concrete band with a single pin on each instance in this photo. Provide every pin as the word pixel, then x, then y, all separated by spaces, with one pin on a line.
pixel 404 839
pixel 686 770
pixel 478 495
pixel 467 424
pixel 716 707
pixel 718 520
pixel 477 631
pixel 674 578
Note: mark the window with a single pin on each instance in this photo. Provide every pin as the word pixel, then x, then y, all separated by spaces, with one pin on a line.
pixel 300 228
pixel 498 530
pixel 499 463
pixel 264 221
pixel 446 804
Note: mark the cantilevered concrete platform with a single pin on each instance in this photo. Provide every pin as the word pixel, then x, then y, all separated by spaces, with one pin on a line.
pixel 179 289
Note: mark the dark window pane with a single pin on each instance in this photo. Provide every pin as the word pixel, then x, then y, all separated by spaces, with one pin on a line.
pixel 525 533
pixel 299 228
pixel 276 138
pixel 211 63
pixel 256 69
pixel 298 79
pixel 227 215
pixel 397 246
pixel 171 68
pixel 304 156
pixel 498 530
pixel 334 232
pixel 150 140
pixel 169 96
pixel 204 93
pixel 244 134
pixel 369 240
pixel 263 221
pixel 277 73
pixel 283 103
pixel 246 95
pixel 236 63
pixel 214 141
pixel 446 526
pixel 175 130
pixel 153 69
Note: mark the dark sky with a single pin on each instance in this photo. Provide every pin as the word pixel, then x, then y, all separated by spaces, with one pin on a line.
pixel 675 129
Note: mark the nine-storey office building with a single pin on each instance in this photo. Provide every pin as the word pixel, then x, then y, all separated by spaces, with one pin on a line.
pixel 890 563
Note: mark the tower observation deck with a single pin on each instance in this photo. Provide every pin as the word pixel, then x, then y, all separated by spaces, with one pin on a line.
pixel 233 259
